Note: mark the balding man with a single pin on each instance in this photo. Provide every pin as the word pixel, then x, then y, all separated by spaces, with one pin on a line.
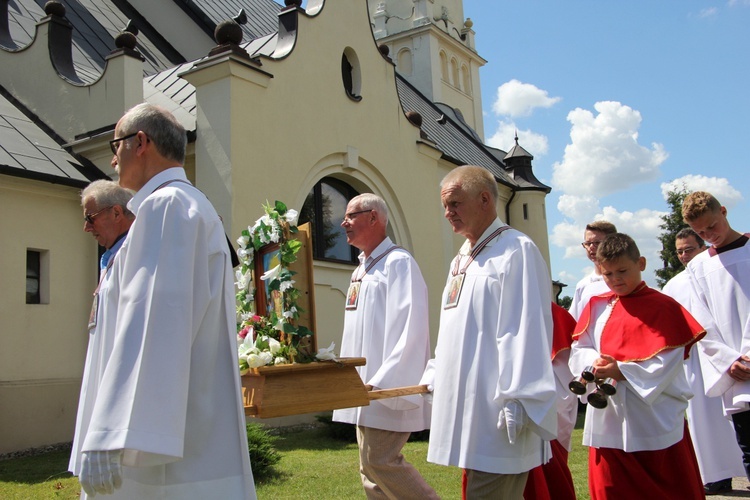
pixel 385 321
pixel 494 389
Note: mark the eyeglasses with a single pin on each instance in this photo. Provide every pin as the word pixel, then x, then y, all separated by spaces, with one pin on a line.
pixel 686 250
pixel 350 216
pixel 113 142
pixel 90 217
pixel 589 244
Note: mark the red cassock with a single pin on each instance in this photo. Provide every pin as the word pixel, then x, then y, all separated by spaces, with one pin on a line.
pixel 641 325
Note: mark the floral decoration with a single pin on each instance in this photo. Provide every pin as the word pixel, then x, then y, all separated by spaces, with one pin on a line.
pixel 277 338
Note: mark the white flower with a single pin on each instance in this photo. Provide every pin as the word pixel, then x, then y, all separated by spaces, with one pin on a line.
pixel 243 280
pixel 267 357
pixel 288 314
pixel 327 353
pixel 272 273
pixel 280 361
pixel 257 360
pixel 273 345
pixel 279 324
pixel 242 253
pixel 291 216
pixel 286 285
pixel 243 241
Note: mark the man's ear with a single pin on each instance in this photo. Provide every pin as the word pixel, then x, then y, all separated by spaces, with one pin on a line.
pixel 642 263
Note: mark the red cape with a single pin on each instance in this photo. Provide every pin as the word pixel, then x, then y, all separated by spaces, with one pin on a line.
pixel 642 324
pixel 563 325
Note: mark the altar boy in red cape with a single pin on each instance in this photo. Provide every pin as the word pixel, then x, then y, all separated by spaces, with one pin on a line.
pixel 639 443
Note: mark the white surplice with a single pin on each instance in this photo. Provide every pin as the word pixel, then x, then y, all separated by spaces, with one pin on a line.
pixel 495 346
pixel 390 328
pixel 721 302
pixel 588 287
pixel 162 380
pixel 648 411
pixel 712 433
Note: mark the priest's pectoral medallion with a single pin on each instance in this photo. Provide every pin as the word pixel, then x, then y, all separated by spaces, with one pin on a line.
pixel 352 295
pixel 456 283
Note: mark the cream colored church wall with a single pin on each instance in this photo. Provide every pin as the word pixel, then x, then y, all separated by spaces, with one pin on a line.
pixel 42 346
pixel 279 151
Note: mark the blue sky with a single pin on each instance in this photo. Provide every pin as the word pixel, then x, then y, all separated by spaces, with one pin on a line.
pixel 616 100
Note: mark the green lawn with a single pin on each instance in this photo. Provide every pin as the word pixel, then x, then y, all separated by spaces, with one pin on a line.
pixel 313 466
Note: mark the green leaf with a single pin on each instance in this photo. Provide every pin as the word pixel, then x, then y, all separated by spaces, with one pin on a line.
pixel 280 207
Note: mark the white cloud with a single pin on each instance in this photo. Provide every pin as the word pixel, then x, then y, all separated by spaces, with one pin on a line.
pixel 717 186
pixel 642 225
pixel 504 138
pixel 578 208
pixel 516 98
pixel 732 3
pixel 604 155
pixel 709 12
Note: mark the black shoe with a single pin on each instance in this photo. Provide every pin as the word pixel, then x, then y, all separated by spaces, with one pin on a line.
pixel 718 487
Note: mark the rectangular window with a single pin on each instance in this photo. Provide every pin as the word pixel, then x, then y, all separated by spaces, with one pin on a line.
pixel 37 276
pixel 33 277
pixel 525 211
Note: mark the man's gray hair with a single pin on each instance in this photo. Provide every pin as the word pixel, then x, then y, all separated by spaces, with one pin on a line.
pixel 473 180
pixel 370 201
pixel 107 194
pixel 161 127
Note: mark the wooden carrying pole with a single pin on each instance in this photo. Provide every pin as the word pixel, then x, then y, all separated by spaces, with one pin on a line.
pixel 398 391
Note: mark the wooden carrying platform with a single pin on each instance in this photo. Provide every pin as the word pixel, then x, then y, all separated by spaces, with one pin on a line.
pixel 278 391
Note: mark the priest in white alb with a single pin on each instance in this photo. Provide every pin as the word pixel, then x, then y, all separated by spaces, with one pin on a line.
pixel 163 415
pixel 385 321
pixel 494 399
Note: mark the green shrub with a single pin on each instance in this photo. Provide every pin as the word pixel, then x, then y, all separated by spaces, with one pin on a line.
pixel 263 455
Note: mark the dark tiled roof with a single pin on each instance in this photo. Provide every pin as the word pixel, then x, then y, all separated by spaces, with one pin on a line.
pixel 96 23
pixel 456 143
pixel 28 151
pixel 262 15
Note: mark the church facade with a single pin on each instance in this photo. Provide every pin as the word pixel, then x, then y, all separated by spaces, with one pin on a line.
pixel 309 106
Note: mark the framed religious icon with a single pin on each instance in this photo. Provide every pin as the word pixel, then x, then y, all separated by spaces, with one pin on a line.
pixel 454 291
pixel 266 300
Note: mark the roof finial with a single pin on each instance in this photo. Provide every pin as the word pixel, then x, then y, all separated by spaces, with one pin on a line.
pixel 516 137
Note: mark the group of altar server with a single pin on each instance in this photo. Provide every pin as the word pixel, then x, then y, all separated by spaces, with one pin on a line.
pixel 160 414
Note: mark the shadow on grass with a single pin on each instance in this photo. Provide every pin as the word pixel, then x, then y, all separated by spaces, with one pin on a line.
pixel 36 469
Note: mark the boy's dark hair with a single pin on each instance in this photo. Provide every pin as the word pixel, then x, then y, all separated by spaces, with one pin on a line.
pixel 602 226
pixel 616 246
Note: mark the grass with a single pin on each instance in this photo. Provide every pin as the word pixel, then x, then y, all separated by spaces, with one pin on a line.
pixel 313 466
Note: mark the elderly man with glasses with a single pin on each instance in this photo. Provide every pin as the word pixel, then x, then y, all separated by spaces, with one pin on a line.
pixel 163 415
pixel 593 284
pixel 385 321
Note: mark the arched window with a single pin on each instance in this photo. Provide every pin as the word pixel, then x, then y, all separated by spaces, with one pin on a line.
pixel 444 66
pixel 454 73
pixel 404 62
pixel 466 77
pixel 324 209
pixel 351 74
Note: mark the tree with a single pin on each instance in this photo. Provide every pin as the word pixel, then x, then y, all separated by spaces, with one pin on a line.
pixel 565 302
pixel 671 226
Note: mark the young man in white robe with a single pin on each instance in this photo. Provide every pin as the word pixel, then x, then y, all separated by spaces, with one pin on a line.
pixel 720 280
pixel 386 322
pixel 494 406
pixel 593 284
pixel 164 416
pixel 713 435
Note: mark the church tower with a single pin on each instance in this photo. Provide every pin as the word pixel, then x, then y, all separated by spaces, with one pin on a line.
pixel 432 45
